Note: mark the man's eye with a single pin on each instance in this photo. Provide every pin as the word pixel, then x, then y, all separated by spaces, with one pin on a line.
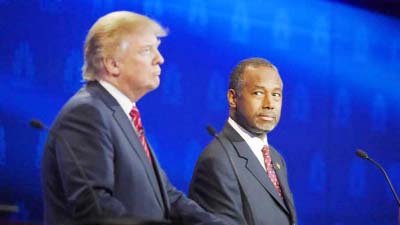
pixel 277 94
pixel 145 51
pixel 258 93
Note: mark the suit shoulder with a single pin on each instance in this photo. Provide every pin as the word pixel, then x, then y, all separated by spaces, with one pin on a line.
pixel 213 162
pixel 82 107
pixel 214 159
pixel 213 150
pixel 84 97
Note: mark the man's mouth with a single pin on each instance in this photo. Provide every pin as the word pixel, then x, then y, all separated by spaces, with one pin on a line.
pixel 267 117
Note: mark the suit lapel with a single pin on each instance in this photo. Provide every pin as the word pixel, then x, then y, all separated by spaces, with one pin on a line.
pixel 127 128
pixel 162 185
pixel 133 139
pixel 252 164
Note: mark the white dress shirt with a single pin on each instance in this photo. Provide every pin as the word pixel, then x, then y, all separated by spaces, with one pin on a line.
pixel 255 143
pixel 125 103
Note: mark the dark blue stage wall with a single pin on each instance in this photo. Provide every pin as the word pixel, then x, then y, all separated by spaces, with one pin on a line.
pixel 340 67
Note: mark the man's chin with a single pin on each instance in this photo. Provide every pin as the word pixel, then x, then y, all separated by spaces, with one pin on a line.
pixel 154 85
pixel 258 132
pixel 262 130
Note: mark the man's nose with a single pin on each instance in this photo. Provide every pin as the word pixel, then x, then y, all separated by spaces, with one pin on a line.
pixel 158 59
pixel 267 102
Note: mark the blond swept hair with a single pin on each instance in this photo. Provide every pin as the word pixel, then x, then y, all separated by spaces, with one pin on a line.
pixel 106 36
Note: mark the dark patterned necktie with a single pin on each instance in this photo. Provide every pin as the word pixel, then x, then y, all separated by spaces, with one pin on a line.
pixel 137 122
pixel 270 169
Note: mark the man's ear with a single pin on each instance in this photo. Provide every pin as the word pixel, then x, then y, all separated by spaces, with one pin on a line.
pixel 232 98
pixel 111 66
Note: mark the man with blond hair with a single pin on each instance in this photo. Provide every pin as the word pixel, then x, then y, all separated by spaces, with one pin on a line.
pixel 97 160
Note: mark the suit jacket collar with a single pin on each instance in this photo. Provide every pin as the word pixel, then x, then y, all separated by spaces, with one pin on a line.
pixel 158 172
pixel 125 124
pixel 253 165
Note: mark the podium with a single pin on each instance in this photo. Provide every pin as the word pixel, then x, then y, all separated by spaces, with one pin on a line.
pixel 123 221
pixel 8 209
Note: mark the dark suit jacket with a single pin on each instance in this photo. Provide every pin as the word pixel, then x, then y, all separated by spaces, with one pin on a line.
pixel 255 201
pixel 93 125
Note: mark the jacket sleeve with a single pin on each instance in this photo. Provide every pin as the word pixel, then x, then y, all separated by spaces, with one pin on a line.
pixel 186 211
pixel 215 186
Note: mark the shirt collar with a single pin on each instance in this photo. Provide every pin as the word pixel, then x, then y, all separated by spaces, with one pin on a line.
pixel 125 103
pixel 250 139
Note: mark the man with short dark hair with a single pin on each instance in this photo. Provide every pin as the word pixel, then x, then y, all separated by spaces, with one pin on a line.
pixel 239 176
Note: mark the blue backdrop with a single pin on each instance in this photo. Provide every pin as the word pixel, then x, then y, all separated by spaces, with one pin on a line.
pixel 339 64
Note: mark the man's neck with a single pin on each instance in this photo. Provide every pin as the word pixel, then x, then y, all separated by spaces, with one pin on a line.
pixel 237 125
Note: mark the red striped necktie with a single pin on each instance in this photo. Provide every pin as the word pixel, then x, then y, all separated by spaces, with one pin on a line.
pixel 137 122
pixel 270 169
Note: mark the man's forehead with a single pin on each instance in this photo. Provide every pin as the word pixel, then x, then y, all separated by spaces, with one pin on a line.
pixel 145 38
pixel 252 68
pixel 260 72
pixel 140 41
pixel 255 78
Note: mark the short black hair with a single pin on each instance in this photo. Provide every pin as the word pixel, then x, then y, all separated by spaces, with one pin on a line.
pixel 235 79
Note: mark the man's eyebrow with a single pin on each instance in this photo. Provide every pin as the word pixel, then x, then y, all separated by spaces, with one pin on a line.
pixel 257 86
pixel 157 43
pixel 262 87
